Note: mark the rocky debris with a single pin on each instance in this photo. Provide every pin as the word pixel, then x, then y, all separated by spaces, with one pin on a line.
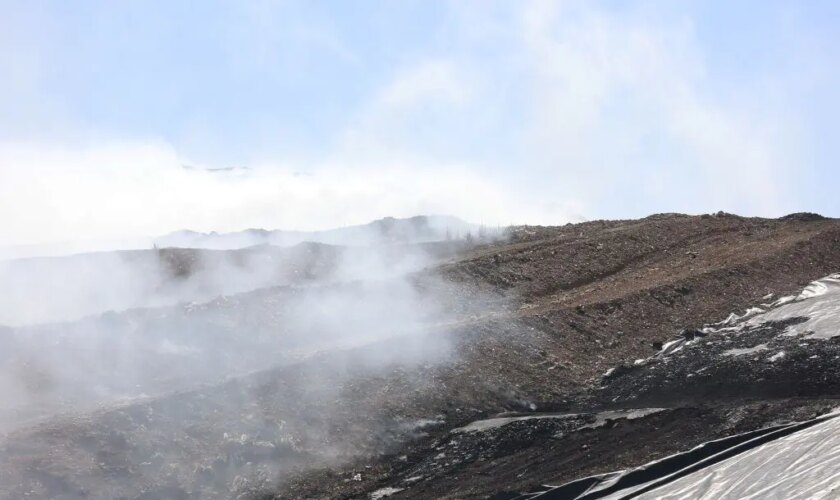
pixel 803 217
pixel 333 425
pixel 524 456
pixel 765 354
pixel 708 371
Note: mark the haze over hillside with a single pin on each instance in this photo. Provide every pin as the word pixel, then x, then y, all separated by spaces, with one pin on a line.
pixel 389 230
pixel 418 229
pixel 424 370
pixel 383 250
pixel 188 266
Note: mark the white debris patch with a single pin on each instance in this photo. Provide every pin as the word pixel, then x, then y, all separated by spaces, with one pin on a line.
pixel 422 423
pixel 752 311
pixel 781 301
pixel 670 347
pixel 820 287
pixel 746 350
pixel 495 423
pixel 384 492
pixel 734 318
pixel 776 357
pixel 606 416
pixel 819 302
pixel 600 419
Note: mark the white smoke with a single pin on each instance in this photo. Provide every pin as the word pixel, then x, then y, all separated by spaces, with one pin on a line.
pixel 105 328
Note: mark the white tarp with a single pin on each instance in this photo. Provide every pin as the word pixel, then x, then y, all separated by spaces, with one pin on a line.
pixel 803 465
pixel 819 302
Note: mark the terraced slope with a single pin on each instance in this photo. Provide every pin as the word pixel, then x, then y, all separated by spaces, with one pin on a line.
pixel 527 326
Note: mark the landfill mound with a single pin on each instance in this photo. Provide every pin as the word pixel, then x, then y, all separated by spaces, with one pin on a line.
pixel 506 368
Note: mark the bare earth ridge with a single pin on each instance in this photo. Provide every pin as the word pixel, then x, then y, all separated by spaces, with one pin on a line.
pixel 533 323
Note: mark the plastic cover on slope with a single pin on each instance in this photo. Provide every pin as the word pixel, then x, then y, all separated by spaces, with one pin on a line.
pixel 819 302
pixel 799 460
pixel 805 464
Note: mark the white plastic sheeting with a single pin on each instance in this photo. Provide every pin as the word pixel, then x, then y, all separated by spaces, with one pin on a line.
pixel 799 460
pixel 819 302
pixel 600 419
pixel 805 464
pixel 789 461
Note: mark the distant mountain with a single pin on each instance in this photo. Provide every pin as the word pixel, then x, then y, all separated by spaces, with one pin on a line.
pixel 56 249
pixel 418 229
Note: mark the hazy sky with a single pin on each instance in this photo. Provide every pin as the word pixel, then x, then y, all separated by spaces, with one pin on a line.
pixel 345 111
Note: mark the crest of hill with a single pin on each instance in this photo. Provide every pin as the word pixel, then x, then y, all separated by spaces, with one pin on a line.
pixel 417 229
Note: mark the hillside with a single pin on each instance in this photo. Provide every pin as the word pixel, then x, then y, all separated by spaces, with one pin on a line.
pixel 71 287
pixel 389 230
pixel 397 384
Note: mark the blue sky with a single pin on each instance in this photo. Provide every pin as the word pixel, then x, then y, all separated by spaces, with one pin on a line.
pixel 498 112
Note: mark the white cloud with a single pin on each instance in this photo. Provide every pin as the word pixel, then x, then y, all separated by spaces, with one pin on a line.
pixel 605 114
pixel 122 190
pixel 435 80
pixel 537 114
pixel 413 107
pixel 608 92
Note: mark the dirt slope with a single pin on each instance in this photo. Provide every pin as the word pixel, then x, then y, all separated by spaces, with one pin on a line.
pixel 589 297
pixel 534 324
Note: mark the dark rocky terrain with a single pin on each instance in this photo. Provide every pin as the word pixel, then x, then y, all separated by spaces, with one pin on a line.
pixel 541 330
